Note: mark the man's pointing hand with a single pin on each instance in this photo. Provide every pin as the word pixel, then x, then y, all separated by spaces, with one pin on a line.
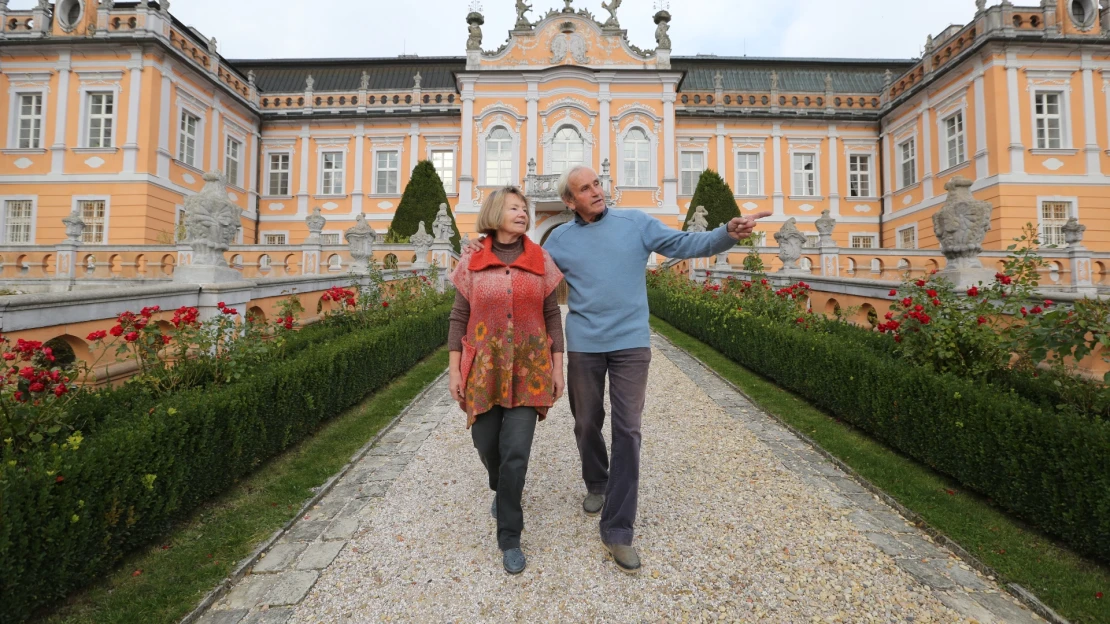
pixel 741 227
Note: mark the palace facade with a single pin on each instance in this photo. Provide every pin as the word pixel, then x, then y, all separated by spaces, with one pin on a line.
pixel 114 110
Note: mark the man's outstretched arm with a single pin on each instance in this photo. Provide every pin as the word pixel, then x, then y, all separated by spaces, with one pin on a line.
pixel 677 244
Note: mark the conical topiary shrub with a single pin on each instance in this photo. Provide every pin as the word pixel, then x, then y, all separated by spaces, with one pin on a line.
pixel 716 196
pixel 420 202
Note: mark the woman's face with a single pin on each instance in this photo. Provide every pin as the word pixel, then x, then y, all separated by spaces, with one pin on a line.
pixel 514 218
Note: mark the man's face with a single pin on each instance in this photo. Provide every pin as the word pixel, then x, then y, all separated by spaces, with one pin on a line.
pixel 588 198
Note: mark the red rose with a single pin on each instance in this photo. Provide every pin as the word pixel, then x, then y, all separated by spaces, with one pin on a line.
pixel 973 292
pixel 385 304
pixel 9 356
pixel 117 331
pixel 131 336
pixel 889 315
pixel 97 335
pixel 27 373
pixel 60 390
pixel 982 320
pixel 1048 303
pixel 893 293
pixel 1037 310
pixel 920 283
pixel 931 292
pixel 18 396
pixel 919 307
pixel 936 302
pixel 37 387
pixel 907 302
pixel 1024 312
pixel 166 339
pixel 800 320
pixel 59 479
pixel 898 338
pixel 351 302
pixel 220 304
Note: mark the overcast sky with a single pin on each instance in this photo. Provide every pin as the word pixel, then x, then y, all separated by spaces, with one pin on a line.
pixel 377 28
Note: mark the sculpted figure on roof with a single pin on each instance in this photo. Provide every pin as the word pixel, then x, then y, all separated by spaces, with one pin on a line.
pixel 522 22
pixel 612 7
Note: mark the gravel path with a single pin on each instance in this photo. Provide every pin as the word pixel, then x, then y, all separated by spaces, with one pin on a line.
pixel 738 521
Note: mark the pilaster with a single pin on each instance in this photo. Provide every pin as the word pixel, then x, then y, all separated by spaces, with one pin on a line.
pixel 670 178
pixel 604 99
pixel 982 154
pixel 466 164
pixel 357 193
pixel 165 103
pixel 927 141
pixel 302 180
pixel 721 149
pixel 1017 149
pixel 134 93
pixel 778 200
pixel 58 149
pixel 1094 156
pixel 834 172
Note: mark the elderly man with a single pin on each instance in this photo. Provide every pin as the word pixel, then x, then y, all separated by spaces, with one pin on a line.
pixel 604 254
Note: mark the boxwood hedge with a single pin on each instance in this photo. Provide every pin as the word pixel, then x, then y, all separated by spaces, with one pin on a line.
pixel 68 516
pixel 1049 468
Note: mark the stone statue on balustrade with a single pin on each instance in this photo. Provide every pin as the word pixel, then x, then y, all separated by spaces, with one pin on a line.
pixel 423 243
pixel 315 222
pixel 474 21
pixel 790 241
pixel 75 228
pixel 612 7
pixel 825 226
pixel 662 39
pixel 1073 233
pixel 960 225
pixel 360 243
pixel 699 222
pixel 212 222
pixel 522 22
pixel 443 228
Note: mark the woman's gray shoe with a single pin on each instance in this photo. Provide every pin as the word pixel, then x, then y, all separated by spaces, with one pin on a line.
pixel 514 560
pixel 493 507
pixel 626 557
pixel 593 503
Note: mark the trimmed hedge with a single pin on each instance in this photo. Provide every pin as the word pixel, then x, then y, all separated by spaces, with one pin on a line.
pixel 1051 469
pixel 58 536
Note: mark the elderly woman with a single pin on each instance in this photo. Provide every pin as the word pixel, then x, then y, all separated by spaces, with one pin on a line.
pixel 506 344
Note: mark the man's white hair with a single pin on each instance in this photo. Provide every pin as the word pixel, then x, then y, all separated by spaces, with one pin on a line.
pixel 563 185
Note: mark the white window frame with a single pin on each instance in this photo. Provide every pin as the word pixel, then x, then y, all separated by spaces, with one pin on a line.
pixel 898 236
pixel 198 139
pixel 107 199
pixel 325 233
pixel 514 154
pixel 85 93
pixel 758 191
pixel 449 189
pixel 4 199
pixel 648 179
pixel 270 172
pixel 582 142
pixel 873 237
pixel 901 162
pixel 334 190
pixel 813 240
pixel 267 233
pixel 704 154
pixel 1072 212
pixel 1064 93
pixel 960 136
pixel 15 107
pixel 860 176
pixel 237 181
pixel 795 192
pixel 374 173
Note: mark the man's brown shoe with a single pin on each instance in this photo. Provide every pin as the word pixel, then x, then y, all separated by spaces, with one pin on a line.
pixel 593 503
pixel 625 557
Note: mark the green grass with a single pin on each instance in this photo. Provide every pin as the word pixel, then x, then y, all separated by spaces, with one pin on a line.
pixel 177 573
pixel 1064 581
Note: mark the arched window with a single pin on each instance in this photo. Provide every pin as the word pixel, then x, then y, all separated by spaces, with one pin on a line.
pixel 637 158
pixel 335 263
pixel 566 150
pixel 499 157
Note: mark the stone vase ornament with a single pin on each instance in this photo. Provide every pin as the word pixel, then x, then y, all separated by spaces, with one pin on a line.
pixel 75 227
pixel 360 244
pixel 960 225
pixel 825 226
pixel 790 241
pixel 315 222
pixel 212 222
pixel 1073 233
pixel 423 243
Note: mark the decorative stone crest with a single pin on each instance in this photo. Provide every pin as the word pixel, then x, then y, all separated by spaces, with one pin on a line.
pixel 522 22
pixel 75 227
pixel 475 21
pixel 699 222
pixel 442 227
pixel 360 243
pixel 790 241
pixel 1073 232
pixel 825 226
pixel 212 222
pixel 961 225
pixel 569 42
pixel 612 7
pixel 663 24
pixel 316 222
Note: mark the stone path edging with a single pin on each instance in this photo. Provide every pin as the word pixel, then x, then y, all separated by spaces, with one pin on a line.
pixel 247 564
pixel 1021 594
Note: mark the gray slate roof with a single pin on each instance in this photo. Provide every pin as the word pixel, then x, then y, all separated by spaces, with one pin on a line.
pixel 795 75
pixel 346 74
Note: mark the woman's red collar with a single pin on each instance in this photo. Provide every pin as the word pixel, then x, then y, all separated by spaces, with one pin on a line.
pixel 531 260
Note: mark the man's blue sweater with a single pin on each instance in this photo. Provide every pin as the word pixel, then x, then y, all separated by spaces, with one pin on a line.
pixel 605 263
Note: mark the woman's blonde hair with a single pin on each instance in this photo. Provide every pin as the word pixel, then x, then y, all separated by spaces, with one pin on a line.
pixel 493 209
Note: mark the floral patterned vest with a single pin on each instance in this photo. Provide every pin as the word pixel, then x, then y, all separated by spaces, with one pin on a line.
pixel 506 356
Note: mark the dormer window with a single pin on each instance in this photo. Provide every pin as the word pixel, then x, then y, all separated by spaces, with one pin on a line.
pixel 1082 13
pixel 69 14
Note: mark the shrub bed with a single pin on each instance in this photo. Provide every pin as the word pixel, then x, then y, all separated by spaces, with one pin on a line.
pixel 71 511
pixel 1049 468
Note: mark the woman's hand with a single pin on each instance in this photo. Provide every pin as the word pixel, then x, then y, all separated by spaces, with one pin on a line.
pixel 455 380
pixel 557 375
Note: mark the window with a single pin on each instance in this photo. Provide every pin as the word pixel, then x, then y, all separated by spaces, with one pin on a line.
pixel 747 173
pixel 330 239
pixel 566 150
pixel 812 241
pixel 499 158
pixel 863 242
pixel 444 162
pixel 93 212
pixel 637 159
pixel 279 175
pixel 233 160
pixel 1054 215
pixel 805 175
pixel 859 176
pixel 101 106
pixel 691 165
pixel 30 121
pixel 1049 119
pixel 907 238
pixel 331 177
pixel 273 239
pixel 954 140
pixel 388 172
pixel 17 217
pixel 907 158
pixel 187 141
